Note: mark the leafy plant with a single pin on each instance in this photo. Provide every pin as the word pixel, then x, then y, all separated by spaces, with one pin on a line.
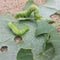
pixel 41 42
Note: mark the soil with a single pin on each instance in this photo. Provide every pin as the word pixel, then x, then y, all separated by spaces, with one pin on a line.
pixel 13 6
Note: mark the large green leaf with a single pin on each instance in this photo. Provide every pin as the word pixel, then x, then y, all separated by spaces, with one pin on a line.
pixel 44 28
pixel 56 44
pixel 28 40
pixel 25 54
pixel 7 37
pixel 53 5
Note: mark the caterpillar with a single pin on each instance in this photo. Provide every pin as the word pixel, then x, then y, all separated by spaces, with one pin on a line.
pixel 17 31
pixel 28 12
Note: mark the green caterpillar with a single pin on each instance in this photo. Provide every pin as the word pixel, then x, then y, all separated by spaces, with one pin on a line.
pixel 36 15
pixel 17 31
pixel 28 12
pixel 23 30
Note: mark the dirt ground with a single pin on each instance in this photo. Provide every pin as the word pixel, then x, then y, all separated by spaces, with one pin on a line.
pixel 56 17
pixel 13 6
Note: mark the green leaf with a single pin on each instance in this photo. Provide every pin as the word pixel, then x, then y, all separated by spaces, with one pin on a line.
pixel 43 28
pixel 55 40
pixel 28 4
pixel 56 57
pixel 56 44
pixel 25 54
pixel 52 4
pixel 54 35
pixel 47 46
pixel 28 40
pixel 48 54
pixel 48 50
pixel 7 37
pixel 4 30
pixel 46 15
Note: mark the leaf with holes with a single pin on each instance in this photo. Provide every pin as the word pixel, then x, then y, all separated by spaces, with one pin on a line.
pixel 43 28
pixel 28 39
pixel 25 54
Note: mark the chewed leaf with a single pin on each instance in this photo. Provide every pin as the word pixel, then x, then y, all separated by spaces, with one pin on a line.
pixel 28 40
pixel 48 50
pixel 25 54
pixel 56 44
pixel 47 46
pixel 42 28
pixel 49 54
